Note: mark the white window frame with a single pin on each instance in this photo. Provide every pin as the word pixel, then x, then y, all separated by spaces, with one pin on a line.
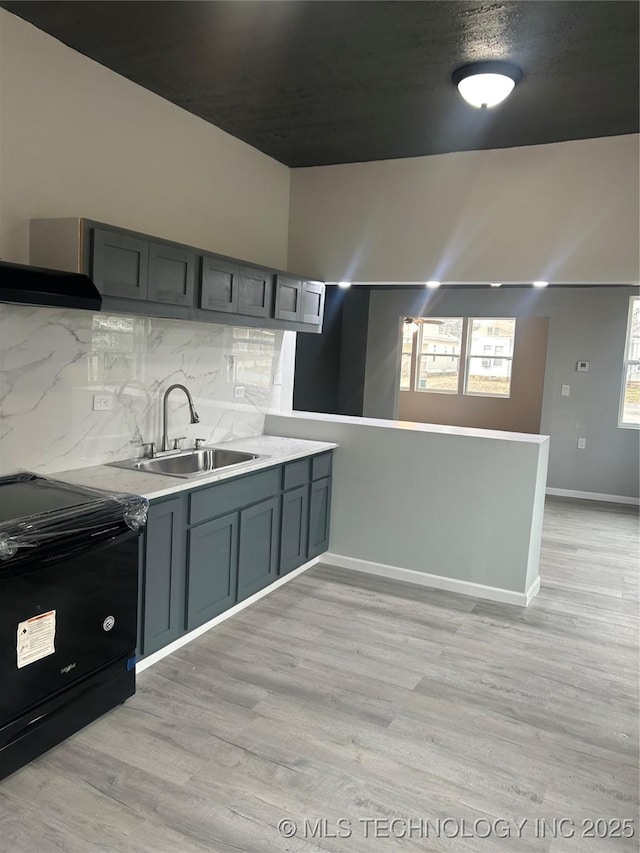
pixel 418 355
pixel 625 364
pixel 468 357
pixel 464 359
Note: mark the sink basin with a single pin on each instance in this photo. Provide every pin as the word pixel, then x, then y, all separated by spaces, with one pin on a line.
pixel 189 463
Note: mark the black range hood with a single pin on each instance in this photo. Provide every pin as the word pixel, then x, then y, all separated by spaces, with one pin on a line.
pixel 37 286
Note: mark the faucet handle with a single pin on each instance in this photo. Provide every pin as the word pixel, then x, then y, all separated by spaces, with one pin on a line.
pixel 200 442
pixel 152 448
pixel 176 442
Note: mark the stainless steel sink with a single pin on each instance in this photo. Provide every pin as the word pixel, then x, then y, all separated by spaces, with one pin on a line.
pixel 189 463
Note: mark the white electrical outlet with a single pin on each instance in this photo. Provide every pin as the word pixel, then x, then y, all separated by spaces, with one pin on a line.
pixel 102 402
pixel 582 443
pixel 277 378
pixel 566 390
pixel 238 391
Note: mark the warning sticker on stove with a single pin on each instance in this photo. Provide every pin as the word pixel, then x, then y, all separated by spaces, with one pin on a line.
pixel 36 638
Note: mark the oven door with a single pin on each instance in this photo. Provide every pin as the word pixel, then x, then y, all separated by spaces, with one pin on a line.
pixel 64 616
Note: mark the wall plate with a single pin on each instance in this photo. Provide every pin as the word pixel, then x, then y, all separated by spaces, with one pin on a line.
pixel 582 366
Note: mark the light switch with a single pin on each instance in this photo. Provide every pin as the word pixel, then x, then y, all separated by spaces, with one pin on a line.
pixel 566 390
pixel 582 443
pixel 582 366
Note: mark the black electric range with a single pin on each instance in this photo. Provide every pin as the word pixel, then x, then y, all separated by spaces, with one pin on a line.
pixel 68 610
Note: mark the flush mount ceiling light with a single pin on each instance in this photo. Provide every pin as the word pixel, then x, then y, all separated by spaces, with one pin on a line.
pixel 486 84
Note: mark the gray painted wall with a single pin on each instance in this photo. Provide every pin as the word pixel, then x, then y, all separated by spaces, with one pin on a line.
pixel 584 324
pixel 453 502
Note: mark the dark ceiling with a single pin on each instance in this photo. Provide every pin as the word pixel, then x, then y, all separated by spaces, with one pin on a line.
pixel 315 82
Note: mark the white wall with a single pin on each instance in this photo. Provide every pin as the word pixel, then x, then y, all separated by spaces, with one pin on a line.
pixel 76 139
pixel 566 212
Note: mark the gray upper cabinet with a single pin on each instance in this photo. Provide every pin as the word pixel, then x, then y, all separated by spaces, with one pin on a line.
pixel 255 296
pixel 312 302
pixel 288 305
pixel 141 274
pixel 219 285
pixel 120 264
pixel 172 274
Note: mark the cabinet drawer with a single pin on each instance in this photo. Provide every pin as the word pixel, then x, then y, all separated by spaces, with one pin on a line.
pixel 321 465
pixel 234 494
pixel 295 474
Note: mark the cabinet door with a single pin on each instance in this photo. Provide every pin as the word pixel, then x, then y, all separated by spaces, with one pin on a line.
pixel 259 532
pixel 255 296
pixel 172 274
pixel 212 569
pixel 312 302
pixel 294 529
pixel 288 298
pixel 163 586
pixel 319 516
pixel 219 282
pixel 120 264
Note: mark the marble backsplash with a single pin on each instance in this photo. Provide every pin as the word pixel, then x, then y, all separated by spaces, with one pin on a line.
pixel 53 361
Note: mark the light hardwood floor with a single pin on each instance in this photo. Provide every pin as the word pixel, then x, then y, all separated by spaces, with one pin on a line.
pixel 344 696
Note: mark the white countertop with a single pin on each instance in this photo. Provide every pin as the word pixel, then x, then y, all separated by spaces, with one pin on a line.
pixel 276 449
pixel 414 426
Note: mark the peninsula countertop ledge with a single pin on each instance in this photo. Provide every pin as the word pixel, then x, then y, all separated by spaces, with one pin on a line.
pixel 153 486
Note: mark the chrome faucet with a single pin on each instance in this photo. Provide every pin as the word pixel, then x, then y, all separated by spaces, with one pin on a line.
pixel 195 419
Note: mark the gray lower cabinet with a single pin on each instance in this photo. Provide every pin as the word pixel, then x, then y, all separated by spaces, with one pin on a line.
pixel 294 529
pixel 259 535
pixel 207 549
pixel 319 516
pixel 163 575
pixel 212 569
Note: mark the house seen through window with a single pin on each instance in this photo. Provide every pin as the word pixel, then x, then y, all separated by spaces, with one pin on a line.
pixel 458 355
pixel 630 397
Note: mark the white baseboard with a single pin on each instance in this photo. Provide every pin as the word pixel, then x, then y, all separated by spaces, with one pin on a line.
pixel 594 496
pixel 533 590
pixel 202 629
pixel 477 590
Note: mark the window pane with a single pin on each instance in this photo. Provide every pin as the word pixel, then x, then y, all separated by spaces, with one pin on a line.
pixel 484 376
pixel 438 373
pixel 405 372
pixel 631 403
pixel 491 336
pixel 634 332
pixel 441 335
